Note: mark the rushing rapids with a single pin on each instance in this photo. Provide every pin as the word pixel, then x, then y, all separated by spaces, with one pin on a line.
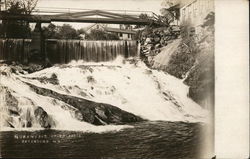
pixel 81 95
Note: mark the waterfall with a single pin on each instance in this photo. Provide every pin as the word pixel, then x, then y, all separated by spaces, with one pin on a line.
pixel 89 51
pixel 64 51
pixel 15 50
pixel 132 87
pixel 23 109
pixel 151 94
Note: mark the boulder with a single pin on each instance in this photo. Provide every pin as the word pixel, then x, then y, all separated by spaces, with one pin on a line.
pixel 157 46
pixel 157 39
pixel 149 40
pixel 43 118
pixel 88 111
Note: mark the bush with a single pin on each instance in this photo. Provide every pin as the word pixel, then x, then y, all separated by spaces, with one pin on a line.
pixel 185 56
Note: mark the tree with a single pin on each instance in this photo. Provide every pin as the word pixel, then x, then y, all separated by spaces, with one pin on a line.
pixel 17 29
pixel 170 11
pixel 97 34
pixel 65 31
pixel 81 31
pixel 68 32
pixel 26 6
pixel 143 17
pixel 51 31
pixel 170 3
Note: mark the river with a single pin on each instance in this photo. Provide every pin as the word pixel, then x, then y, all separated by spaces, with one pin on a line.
pixel 172 127
pixel 159 139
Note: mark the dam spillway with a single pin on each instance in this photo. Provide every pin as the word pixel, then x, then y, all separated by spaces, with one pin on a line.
pixel 15 50
pixel 64 51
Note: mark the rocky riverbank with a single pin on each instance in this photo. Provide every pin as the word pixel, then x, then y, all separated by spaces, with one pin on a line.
pixel 189 56
pixel 154 40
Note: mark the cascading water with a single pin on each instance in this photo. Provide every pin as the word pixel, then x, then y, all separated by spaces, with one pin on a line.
pixel 14 50
pixel 128 85
pixel 23 109
pixel 151 94
pixel 104 73
pixel 64 51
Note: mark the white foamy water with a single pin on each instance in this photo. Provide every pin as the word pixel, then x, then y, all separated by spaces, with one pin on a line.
pixel 151 94
pixel 28 99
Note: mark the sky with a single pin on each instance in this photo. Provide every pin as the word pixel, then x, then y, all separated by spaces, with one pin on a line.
pixel 137 5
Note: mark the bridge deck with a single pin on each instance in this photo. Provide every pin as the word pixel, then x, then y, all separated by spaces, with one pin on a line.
pixel 89 16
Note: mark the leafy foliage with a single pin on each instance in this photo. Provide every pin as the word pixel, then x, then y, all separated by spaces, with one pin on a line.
pixel 26 6
pixel 65 31
pixel 51 31
pixel 96 34
pixel 185 56
pixel 170 12
pixel 17 29
pixel 68 32
pixel 170 3
pixel 194 61
pixel 143 17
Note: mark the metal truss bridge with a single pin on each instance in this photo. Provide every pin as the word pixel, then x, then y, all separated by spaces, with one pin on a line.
pixel 48 15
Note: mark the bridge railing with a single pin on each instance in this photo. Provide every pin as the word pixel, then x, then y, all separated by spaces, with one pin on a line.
pixel 54 11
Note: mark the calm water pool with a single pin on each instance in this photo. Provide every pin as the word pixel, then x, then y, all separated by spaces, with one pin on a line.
pixel 173 140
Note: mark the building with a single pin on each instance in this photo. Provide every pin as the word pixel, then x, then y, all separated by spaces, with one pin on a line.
pixel 123 32
pixel 174 12
pixel 95 26
pixel 195 11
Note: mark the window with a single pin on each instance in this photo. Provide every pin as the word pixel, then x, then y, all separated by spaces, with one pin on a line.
pixel 128 35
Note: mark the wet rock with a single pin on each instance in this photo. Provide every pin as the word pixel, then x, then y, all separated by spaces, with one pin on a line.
pixel 53 79
pixel 78 115
pixel 43 118
pixel 157 46
pixel 148 40
pixel 91 112
pixel 4 73
pixel 11 102
pixel 9 124
pixel 91 79
pixel 100 112
pixel 157 39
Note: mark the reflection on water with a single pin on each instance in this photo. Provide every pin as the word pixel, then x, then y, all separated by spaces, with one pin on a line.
pixel 146 140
